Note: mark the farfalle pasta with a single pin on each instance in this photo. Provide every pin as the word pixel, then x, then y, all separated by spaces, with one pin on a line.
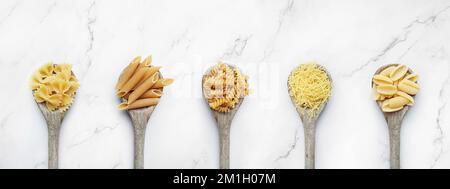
pixel 223 87
pixel 395 87
pixel 140 84
pixel 54 85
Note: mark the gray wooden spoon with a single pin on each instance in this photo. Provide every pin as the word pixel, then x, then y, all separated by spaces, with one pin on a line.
pixel 394 122
pixel 309 125
pixel 139 118
pixel 223 121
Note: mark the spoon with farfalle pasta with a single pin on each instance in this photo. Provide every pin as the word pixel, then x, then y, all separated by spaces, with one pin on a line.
pixel 140 87
pixel 394 88
pixel 54 87
pixel 224 88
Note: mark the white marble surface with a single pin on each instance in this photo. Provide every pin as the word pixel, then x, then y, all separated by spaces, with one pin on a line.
pixel 266 39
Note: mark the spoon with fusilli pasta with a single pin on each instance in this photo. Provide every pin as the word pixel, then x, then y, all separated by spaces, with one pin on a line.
pixel 224 89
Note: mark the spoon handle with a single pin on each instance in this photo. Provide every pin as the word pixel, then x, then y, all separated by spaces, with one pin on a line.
pixel 224 123
pixel 394 140
pixel 310 140
pixel 53 138
pixel 54 120
pixel 139 125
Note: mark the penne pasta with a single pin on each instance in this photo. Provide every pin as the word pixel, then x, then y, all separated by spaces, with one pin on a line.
pixel 162 83
pixel 148 74
pixel 147 61
pixel 126 96
pixel 152 93
pixel 141 103
pixel 134 80
pixel 136 84
pixel 126 75
pixel 143 88
pixel 123 106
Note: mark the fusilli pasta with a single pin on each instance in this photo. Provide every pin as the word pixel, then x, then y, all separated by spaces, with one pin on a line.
pixel 223 86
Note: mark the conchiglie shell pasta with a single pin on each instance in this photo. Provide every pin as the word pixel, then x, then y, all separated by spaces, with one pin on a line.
pixel 409 87
pixel 376 95
pixel 412 77
pixel 394 96
pixel 406 96
pixel 398 72
pixel 387 72
pixel 387 90
pixel 382 80
pixel 397 102
pixel 386 108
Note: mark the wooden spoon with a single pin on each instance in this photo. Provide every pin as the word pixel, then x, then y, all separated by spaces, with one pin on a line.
pixel 394 121
pixel 223 121
pixel 139 118
pixel 309 125
pixel 54 120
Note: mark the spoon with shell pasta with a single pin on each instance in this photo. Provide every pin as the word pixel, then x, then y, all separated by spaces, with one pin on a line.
pixel 394 88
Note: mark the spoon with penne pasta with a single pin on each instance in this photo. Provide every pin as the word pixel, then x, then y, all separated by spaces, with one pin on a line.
pixel 140 87
pixel 54 87
pixel 309 86
pixel 394 88
pixel 224 89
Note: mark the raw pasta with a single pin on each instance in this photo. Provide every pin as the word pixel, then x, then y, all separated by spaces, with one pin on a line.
pixel 141 103
pixel 143 88
pixel 162 82
pixel 152 93
pixel 138 88
pixel 149 73
pixel 129 71
pixel 54 85
pixel 395 86
pixel 223 86
pixel 133 81
pixel 147 61
pixel 309 86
